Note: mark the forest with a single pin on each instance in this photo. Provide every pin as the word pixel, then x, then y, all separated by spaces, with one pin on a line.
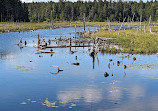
pixel 13 10
pixel 97 10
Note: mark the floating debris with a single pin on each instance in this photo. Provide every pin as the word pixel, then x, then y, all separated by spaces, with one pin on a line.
pixel 153 77
pixel 76 63
pixel 40 56
pixel 57 67
pixel 72 52
pixel 28 99
pixel 49 104
pixel 125 66
pixel 33 101
pixel 25 43
pixel 23 103
pixel 42 51
pixel 118 63
pixel 110 60
pixel 134 58
pixel 73 104
pixel 109 65
pixel 106 74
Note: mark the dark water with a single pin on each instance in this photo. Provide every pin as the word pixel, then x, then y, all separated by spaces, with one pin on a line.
pixel 31 86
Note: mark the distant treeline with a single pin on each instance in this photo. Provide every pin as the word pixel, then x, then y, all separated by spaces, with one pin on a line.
pixel 72 11
pixel 13 10
pixel 93 10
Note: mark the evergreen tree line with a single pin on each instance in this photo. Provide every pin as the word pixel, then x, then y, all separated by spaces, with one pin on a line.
pixel 93 10
pixel 97 10
pixel 13 10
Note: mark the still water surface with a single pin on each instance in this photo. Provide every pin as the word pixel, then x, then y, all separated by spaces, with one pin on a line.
pixel 31 86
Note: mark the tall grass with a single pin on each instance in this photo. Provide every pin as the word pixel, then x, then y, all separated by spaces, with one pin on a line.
pixel 133 41
pixel 13 26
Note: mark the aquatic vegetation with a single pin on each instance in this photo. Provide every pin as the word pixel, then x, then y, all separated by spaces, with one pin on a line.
pixel 153 77
pixel 123 57
pixel 112 50
pixel 33 101
pixel 23 103
pixel 24 68
pixel 49 104
pixel 28 99
pixel 142 66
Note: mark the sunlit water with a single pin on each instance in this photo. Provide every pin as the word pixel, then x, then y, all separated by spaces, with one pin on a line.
pixel 31 86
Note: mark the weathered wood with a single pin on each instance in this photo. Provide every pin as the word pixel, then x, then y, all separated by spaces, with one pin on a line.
pixel 150 24
pixel 38 41
pixel 144 28
pixel 75 28
pixel 43 51
pixel 141 23
pixel 64 46
pixel 57 67
pixel 84 22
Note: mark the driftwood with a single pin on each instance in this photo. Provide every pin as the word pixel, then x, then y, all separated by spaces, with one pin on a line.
pixel 57 67
pixel 64 46
pixel 76 63
pixel 43 51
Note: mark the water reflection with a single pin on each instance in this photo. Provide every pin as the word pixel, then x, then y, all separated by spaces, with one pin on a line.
pixel 87 94
pixel 79 87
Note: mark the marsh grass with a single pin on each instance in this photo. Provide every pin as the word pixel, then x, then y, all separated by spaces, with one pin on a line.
pixel 131 41
pixel 23 26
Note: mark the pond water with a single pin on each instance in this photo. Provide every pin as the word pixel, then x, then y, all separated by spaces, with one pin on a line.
pixel 34 86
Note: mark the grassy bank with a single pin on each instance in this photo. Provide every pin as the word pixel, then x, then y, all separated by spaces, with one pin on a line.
pixel 23 26
pixel 131 41
pixel 13 26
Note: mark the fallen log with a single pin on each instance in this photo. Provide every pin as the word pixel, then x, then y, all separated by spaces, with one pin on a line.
pixel 64 46
pixel 43 51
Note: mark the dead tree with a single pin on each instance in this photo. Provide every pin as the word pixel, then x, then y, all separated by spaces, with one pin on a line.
pixel 51 21
pixel 144 27
pixel 38 41
pixel 84 22
pixel 109 28
pixel 75 29
pixel 150 24
pixel 133 17
pixel 141 23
